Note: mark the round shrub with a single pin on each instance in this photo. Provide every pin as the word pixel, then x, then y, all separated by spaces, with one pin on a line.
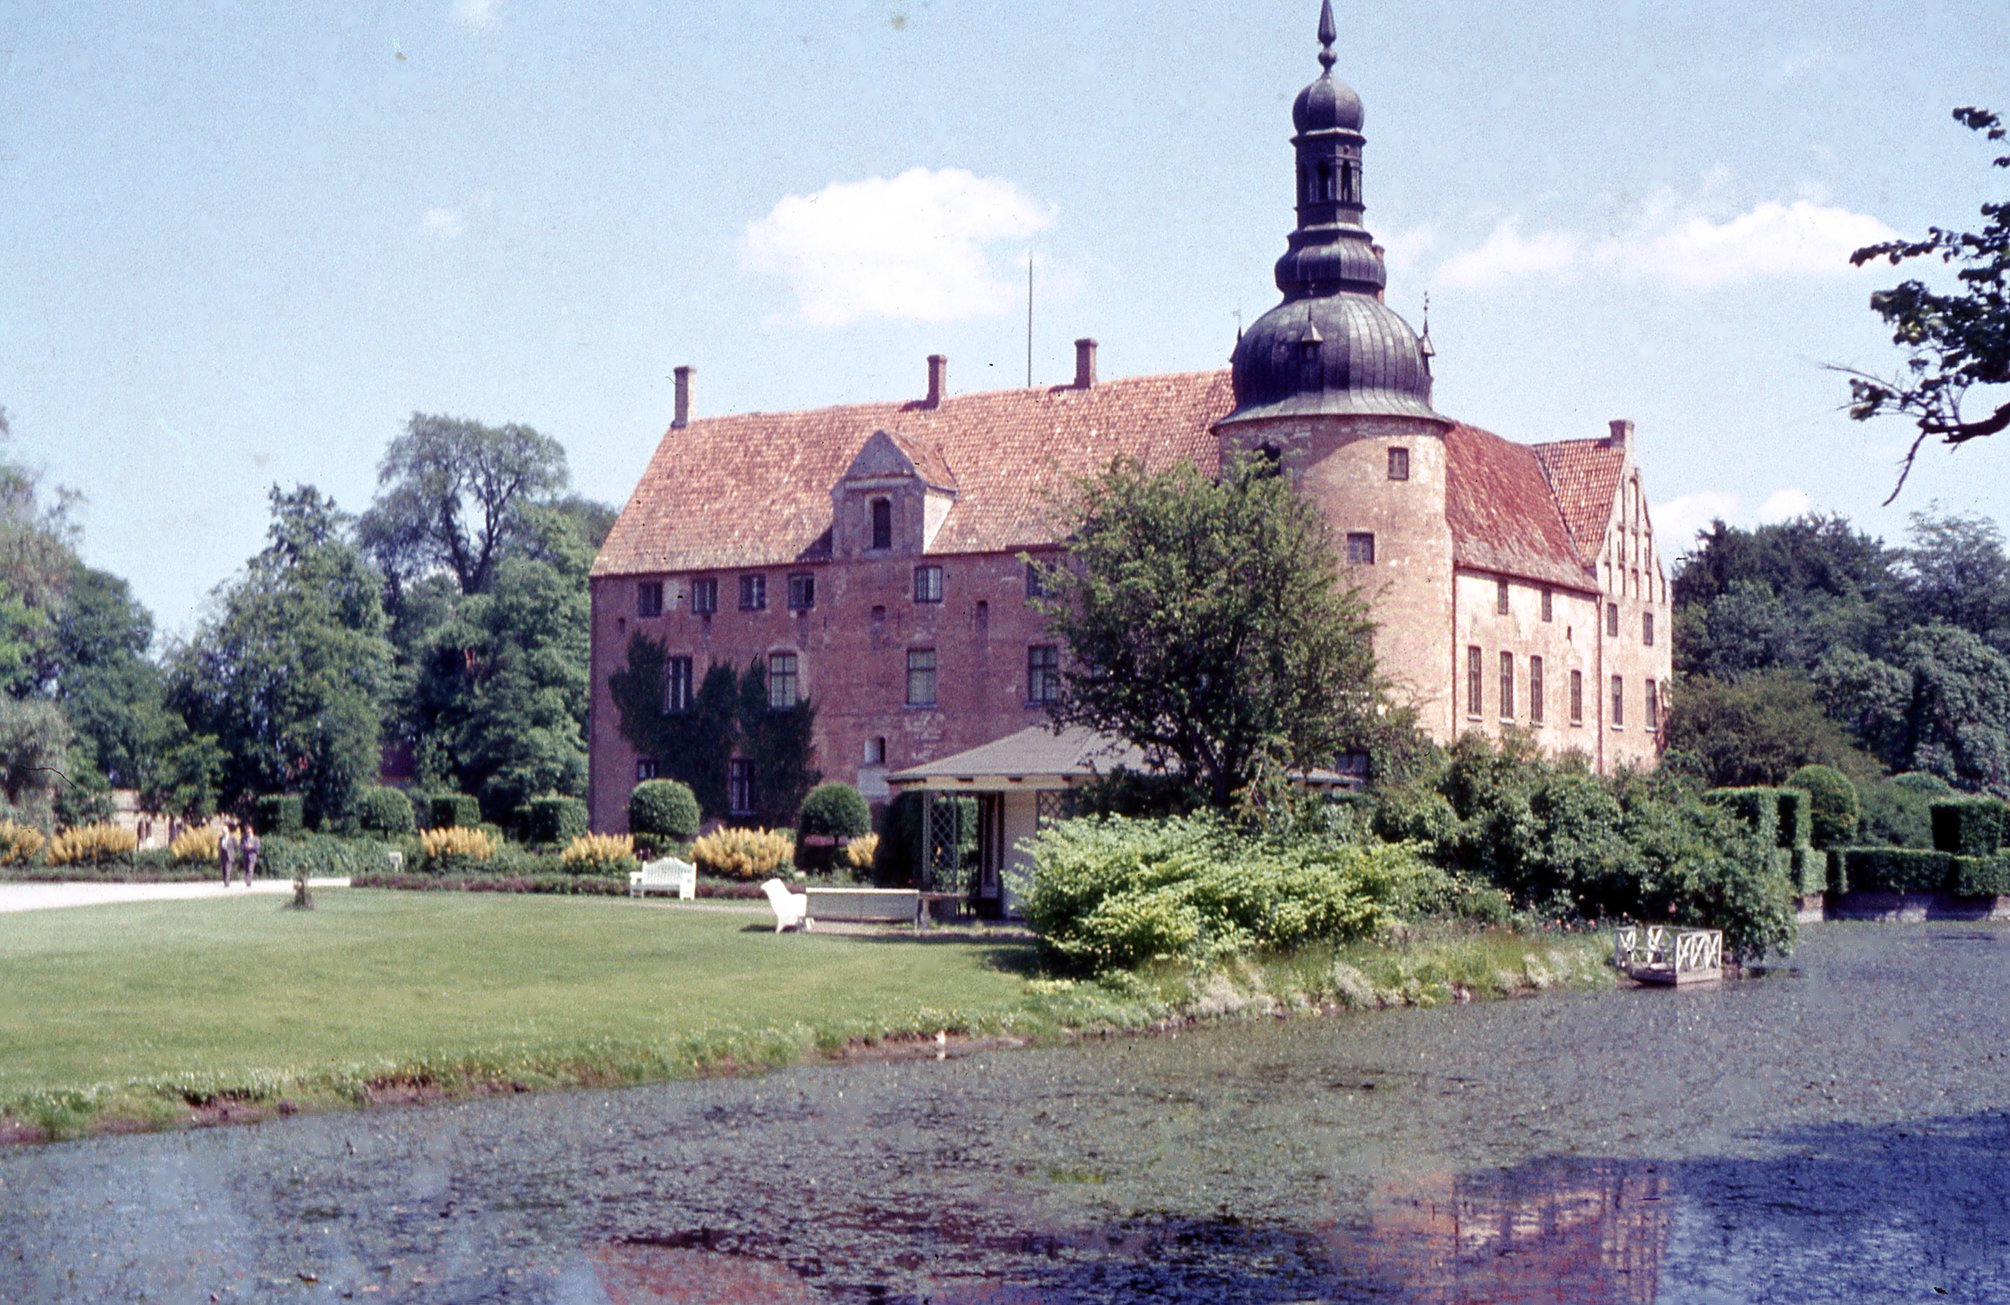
pixel 385 812
pixel 834 810
pixel 664 810
pixel 1832 804
pixel 1921 781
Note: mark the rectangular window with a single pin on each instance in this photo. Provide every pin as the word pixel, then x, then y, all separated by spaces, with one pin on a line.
pixel 677 685
pixel 1535 688
pixel 705 596
pixel 1618 702
pixel 1043 673
pixel 1501 597
pixel 1475 678
pixel 921 677
pixel 802 592
pixel 1361 548
pixel 1577 697
pixel 1036 580
pixel 739 786
pixel 1548 603
pixel 1653 708
pixel 927 584
pixel 783 684
pixel 882 523
pixel 649 598
pixel 1647 628
pixel 1507 686
pixel 645 768
pixel 1612 620
pixel 1399 464
pixel 753 593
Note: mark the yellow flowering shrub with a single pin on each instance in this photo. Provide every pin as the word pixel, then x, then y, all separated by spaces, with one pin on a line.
pixel 196 844
pixel 599 854
pixel 859 853
pixel 91 844
pixel 456 843
pixel 744 853
pixel 19 843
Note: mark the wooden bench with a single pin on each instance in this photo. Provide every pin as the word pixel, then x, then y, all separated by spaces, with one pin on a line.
pixel 865 905
pixel 668 875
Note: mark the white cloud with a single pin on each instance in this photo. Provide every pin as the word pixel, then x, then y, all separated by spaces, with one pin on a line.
pixel 475 13
pixel 1783 505
pixel 912 246
pixel 1507 254
pixel 445 222
pixel 1677 246
pixel 1677 522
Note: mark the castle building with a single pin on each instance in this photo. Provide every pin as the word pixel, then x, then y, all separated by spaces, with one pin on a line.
pixel 873 557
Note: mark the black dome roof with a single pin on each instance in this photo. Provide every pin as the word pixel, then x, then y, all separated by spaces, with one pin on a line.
pixel 1333 355
pixel 1326 105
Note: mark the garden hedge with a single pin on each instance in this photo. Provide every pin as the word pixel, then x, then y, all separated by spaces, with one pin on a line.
pixel 1896 870
pixel 1758 808
pixel 449 810
pixel 385 812
pixel 283 814
pixel 1968 826
pixel 1980 876
pixel 555 819
pixel 1794 824
pixel 1832 804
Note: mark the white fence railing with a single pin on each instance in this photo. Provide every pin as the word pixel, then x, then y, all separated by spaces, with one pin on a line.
pixel 1657 951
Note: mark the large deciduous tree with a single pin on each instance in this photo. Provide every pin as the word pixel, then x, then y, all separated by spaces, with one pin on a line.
pixel 1207 622
pixel 289 669
pixel 1957 342
pixel 454 494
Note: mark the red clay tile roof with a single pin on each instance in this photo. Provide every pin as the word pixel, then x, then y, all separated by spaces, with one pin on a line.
pixel 1502 514
pixel 1584 477
pixel 926 455
pixel 754 489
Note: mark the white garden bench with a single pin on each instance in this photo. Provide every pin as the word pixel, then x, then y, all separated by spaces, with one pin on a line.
pixel 668 875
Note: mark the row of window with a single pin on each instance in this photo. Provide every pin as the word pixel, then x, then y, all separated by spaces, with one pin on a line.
pixel 1043 679
pixel 739 782
pixel 1538 696
pixel 802 591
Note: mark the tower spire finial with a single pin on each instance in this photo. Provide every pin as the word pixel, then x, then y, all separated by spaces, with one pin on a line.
pixel 1327 33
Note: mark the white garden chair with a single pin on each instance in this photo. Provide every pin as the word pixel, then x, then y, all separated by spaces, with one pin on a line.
pixel 791 909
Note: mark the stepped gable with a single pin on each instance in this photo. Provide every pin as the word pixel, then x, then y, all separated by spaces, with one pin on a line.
pixel 754 489
pixel 1502 513
pixel 1584 477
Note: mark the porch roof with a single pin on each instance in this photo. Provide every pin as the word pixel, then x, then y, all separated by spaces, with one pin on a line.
pixel 1033 758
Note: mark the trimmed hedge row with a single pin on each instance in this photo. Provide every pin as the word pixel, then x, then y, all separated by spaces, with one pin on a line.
pixel 1913 870
pixel 1968 826
pixel 556 820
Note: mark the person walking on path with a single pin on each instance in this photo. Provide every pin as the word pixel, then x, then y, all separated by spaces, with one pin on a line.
pixel 226 852
pixel 248 853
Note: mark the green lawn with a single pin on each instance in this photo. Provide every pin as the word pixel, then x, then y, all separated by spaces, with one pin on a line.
pixel 135 1011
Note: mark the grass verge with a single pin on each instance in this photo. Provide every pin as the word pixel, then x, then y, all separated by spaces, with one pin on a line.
pixel 163 1013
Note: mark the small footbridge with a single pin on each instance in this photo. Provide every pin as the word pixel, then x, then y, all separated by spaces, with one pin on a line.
pixel 1658 953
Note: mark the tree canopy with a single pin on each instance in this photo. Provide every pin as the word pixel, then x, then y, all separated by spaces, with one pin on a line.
pixel 1957 343
pixel 1207 623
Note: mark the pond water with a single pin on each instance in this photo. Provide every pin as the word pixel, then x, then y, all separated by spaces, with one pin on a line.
pixel 1836 1130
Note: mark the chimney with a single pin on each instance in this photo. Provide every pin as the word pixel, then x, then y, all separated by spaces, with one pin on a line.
pixel 938 378
pixel 1622 432
pixel 682 417
pixel 1085 363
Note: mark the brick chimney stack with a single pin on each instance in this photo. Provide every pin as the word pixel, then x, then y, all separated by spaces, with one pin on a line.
pixel 682 415
pixel 1085 363
pixel 938 378
pixel 1622 432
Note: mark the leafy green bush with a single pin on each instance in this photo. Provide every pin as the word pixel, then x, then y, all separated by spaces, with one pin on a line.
pixel 384 812
pixel 1110 893
pixel 1920 781
pixel 555 820
pixel 1794 825
pixel 1980 876
pixel 663 811
pixel 1832 804
pixel 834 810
pixel 1898 815
pixel 1418 814
pixel 1138 793
pixel 1897 870
pixel 453 810
pixel 1808 871
pixel 279 813
pixel 323 856
pixel 1967 826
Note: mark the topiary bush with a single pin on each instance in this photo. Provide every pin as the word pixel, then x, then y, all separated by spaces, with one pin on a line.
pixel 834 810
pixel 1896 870
pixel 384 812
pixel 663 811
pixel 1967 826
pixel 1832 804
pixel 1794 824
pixel 1896 815
pixel 1980 876
pixel 283 814
pixel 1757 808
pixel 556 820
pixel 453 811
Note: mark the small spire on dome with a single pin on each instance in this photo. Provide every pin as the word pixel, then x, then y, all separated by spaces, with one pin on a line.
pixel 1424 345
pixel 1327 33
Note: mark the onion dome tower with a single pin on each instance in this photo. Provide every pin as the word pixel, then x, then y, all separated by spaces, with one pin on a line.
pixel 1332 348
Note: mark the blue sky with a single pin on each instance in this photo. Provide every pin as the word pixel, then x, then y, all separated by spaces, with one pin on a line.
pixel 240 245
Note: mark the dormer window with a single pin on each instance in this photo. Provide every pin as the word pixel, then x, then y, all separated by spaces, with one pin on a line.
pixel 882 523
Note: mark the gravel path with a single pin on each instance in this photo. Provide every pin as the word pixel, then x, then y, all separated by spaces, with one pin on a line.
pixel 44 897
